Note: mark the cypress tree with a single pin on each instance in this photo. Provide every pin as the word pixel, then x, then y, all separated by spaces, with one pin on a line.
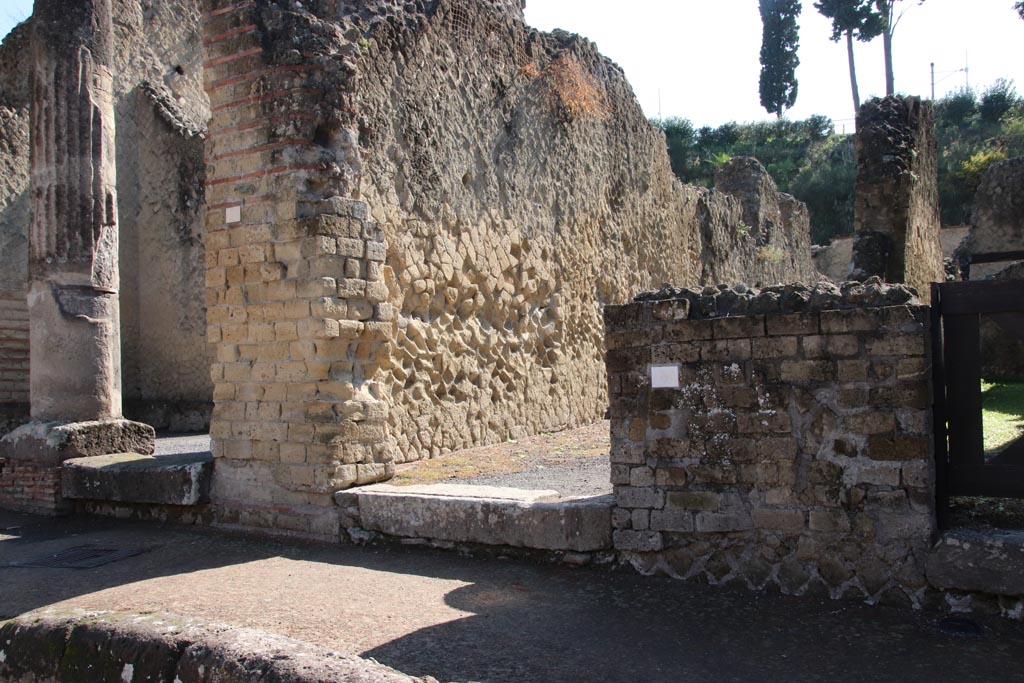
pixel 779 60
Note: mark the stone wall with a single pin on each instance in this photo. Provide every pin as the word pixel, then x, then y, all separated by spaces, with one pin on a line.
pixel 161 111
pixel 414 219
pixel 835 260
pixel 795 452
pixel 776 231
pixel 13 237
pixel 520 188
pixel 997 220
pixel 295 287
pixel 896 212
pixel 997 225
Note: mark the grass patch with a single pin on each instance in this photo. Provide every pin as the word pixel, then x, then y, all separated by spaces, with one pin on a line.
pixel 1002 413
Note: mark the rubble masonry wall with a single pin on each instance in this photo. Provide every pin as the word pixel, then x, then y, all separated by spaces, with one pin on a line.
pixel 896 212
pixel 796 452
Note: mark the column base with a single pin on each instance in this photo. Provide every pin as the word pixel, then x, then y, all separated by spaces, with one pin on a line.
pixel 31 457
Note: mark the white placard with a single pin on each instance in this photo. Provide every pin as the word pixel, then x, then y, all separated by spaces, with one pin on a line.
pixel 233 214
pixel 664 376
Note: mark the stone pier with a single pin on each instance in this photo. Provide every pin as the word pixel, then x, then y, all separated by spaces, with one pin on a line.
pixel 75 370
pixel 896 219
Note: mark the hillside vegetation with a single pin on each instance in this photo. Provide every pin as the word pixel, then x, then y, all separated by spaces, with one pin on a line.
pixel 809 160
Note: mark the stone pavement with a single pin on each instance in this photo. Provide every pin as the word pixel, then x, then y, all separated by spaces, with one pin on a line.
pixel 427 612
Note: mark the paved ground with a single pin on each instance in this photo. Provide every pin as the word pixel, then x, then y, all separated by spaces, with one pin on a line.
pixel 176 444
pixel 573 462
pixel 462 619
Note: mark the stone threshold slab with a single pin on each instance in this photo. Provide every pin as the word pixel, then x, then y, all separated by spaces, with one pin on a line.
pixel 133 478
pixel 489 515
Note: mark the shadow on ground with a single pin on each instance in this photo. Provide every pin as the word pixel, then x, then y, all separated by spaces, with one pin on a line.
pixel 464 619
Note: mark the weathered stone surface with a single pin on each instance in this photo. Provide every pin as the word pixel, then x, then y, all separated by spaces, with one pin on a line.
pixel 896 218
pixel 133 478
pixel 789 306
pixel 158 99
pixel 116 646
pixel 788 466
pixel 997 220
pixel 484 514
pixel 985 562
pixel 51 443
pixel 75 364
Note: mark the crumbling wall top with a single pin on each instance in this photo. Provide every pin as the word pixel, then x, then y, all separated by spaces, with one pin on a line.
pixel 727 301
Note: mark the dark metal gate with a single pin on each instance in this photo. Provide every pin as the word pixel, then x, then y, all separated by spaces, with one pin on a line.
pixel 964 468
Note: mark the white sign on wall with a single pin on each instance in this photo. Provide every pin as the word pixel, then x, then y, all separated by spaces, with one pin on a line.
pixel 665 376
pixel 233 214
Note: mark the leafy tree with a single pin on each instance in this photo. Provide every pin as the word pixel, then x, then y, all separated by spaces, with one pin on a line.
pixel 682 150
pixel 997 100
pixel 779 43
pixel 972 134
pixel 852 19
pixel 827 184
pixel 1020 8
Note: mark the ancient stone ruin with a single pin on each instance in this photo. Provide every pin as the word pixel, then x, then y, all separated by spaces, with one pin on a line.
pixel 351 235
pixel 896 211
pixel 388 281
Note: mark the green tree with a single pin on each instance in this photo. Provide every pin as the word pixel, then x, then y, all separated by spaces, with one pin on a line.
pixel 682 151
pixel 827 184
pixel 1020 8
pixel 998 99
pixel 779 43
pixel 852 19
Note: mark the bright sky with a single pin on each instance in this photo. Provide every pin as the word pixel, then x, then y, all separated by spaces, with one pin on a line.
pixel 699 58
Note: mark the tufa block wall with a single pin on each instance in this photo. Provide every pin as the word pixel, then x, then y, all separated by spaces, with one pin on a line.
pixel 896 212
pixel 796 452
pixel 296 300
pixel 520 189
pixel 415 213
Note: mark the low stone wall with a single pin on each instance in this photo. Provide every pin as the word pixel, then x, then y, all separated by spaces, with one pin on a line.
pixel 782 439
pixel 794 452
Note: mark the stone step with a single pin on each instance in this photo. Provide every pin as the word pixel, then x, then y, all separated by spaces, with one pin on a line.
pixel 967 560
pixel 182 479
pixel 487 515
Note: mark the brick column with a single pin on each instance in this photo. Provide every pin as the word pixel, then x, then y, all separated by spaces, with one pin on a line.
pixel 295 284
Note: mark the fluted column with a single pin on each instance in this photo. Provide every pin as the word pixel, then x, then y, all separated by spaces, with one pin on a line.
pixel 73 301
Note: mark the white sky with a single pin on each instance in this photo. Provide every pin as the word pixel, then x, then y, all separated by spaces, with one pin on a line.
pixel 702 55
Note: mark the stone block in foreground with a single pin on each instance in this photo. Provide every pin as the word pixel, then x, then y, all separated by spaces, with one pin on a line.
pixel 132 478
pixel 986 562
pixel 487 515
pixel 119 646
